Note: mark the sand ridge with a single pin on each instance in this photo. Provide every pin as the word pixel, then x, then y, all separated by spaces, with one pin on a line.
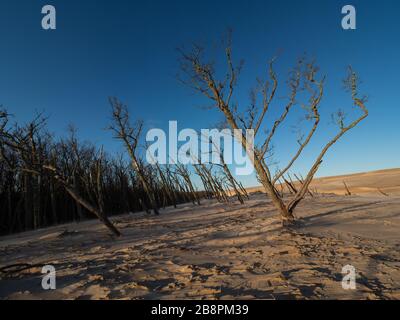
pixel 363 183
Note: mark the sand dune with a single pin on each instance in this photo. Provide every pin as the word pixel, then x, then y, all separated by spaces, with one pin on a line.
pixel 372 183
pixel 387 181
pixel 220 251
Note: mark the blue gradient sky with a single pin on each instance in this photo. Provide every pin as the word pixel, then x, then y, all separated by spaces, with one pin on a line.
pixel 128 49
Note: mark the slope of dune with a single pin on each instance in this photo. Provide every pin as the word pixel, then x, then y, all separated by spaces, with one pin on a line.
pixel 372 183
pixel 222 251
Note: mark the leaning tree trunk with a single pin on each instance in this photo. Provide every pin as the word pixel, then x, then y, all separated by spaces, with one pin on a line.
pixel 79 200
pixel 271 191
pixel 93 210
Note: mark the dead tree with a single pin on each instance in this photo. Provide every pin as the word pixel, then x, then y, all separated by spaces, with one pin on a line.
pixel 95 183
pixel 190 189
pixel 71 145
pixel 31 149
pixel 100 215
pixel 292 189
pixel 129 135
pixel 199 73
pixel 243 190
pixel 208 188
pixel 222 187
pixel 301 182
pixel 174 184
pixel 210 181
pixel 166 186
pixel 348 193
pixel 233 183
pixel 383 193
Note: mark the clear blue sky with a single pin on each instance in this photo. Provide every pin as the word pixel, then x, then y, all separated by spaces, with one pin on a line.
pixel 128 49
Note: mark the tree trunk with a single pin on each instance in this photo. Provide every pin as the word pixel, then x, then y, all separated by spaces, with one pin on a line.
pixel 93 210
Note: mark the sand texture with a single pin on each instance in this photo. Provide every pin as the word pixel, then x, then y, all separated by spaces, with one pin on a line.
pixel 223 251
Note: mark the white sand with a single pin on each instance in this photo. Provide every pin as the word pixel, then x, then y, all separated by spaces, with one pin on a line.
pixel 221 251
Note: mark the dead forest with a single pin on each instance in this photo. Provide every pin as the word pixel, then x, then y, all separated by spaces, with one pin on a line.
pixel 46 180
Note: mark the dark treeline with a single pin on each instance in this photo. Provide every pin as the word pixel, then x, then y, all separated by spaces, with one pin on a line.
pixel 46 181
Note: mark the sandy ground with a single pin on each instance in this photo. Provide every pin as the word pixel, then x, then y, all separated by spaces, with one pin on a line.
pixel 364 183
pixel 223 251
